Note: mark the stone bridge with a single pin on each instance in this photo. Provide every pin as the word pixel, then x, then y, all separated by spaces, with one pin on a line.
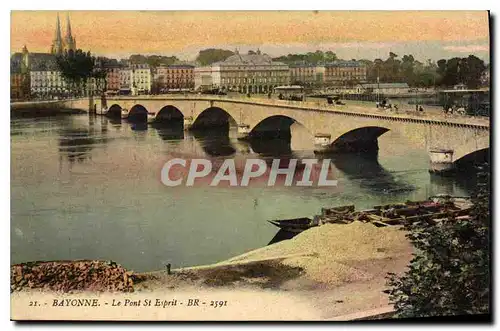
pixel 356 128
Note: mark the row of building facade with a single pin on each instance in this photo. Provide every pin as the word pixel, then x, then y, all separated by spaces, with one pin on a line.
pixel 258 73
pixel 37 74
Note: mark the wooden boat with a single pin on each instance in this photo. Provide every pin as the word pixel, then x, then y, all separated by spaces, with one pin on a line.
pixel 337 210
pixel 294 225
pixel 430 211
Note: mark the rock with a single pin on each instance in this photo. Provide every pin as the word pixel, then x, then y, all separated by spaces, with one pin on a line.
pixel 68 276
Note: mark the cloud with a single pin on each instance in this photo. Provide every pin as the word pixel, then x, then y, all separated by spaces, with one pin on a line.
pixel 468 48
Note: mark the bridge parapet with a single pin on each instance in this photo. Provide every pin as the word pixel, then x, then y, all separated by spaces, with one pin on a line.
pixel 348 109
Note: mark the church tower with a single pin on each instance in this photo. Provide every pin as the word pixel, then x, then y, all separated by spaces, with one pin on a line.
pixel 69 41
pixel 57 43
pixel 25 63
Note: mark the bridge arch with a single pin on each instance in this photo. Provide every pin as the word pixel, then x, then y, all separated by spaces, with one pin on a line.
pixel 138 113
pixel 114 111
pixel 214 117
pixel 169 113
pixel 286 129
pixel 363 139
pixel 475 157
pixel 474 150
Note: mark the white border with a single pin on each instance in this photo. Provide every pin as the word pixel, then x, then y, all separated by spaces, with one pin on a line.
pixel 180 5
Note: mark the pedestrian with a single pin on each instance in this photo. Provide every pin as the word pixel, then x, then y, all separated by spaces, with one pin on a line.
pixel 421 108
pixel 416 107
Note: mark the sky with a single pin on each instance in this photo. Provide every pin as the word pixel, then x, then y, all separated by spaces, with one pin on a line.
pixel 350 34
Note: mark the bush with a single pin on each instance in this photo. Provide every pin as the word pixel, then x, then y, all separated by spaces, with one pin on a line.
pixel 450 271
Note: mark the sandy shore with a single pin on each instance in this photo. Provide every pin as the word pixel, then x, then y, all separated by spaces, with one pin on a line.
pixel 333 270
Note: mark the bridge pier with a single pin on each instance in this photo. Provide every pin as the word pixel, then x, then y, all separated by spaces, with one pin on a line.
pixel 102 111
pixel 188 122
pixel 322 143
pixel 151 117
pixel 243 131
pixel 124 114
pixel 441 161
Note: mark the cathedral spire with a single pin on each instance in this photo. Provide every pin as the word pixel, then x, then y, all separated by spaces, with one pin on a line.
pixel 58 30
pixel 69 41
pixel 57 46
pixel 68 28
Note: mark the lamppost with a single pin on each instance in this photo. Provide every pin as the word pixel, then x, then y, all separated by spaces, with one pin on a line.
pixel 378 84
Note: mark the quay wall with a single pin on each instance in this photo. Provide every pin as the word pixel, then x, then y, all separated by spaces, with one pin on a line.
pixel 52 106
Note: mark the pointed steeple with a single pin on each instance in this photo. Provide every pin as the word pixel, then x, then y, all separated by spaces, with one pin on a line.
pixel 68 27
pixel 57 46
pixel 69 41
pixel 58 30
pixel 25 63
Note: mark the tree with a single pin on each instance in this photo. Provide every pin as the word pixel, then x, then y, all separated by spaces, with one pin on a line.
pixel 153 61
pixel 211 55
pixel 310 57
pixel 472 70
pixel 457 70
pixel 449 274
pixel 76 67
pixel 330 56
pixel 138 59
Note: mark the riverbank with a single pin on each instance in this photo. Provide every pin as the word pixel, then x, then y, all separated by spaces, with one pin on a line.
pixel 323 273
pixel 334 269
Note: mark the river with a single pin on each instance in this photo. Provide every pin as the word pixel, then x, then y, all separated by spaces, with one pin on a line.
pixel 85 187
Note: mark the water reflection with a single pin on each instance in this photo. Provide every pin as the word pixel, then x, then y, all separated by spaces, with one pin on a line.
pixel 114 120
pixel 370 174
pixel 214 143
pixel 76 144
pixel 271 147
pixel 139 126
pixel 466 182
pixel 169 132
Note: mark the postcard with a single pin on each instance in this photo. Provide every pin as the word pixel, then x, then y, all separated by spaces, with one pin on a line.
pixel 250 165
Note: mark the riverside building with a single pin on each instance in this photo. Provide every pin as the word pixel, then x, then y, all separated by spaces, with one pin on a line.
pixel 249 73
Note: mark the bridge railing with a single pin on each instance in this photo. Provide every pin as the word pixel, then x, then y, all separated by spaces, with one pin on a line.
pixel 321 105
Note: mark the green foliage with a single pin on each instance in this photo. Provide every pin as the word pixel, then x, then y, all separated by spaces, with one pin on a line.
pixel 446 73
pixel 466 71
pixel 153 61
pixel 208 56
pixel 311 57
pixel 450 271
pixel 76 68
